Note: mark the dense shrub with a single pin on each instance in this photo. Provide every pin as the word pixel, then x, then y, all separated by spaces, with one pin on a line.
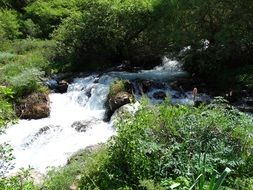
pixel 30 29
pixel 9 24
pixel 48 14
pixel 170 145
pixel 105 31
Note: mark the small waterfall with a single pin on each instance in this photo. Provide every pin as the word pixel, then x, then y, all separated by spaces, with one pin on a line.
pixel 76 119
pixel 49 142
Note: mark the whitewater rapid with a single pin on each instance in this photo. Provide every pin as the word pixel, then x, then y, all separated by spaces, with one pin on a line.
pixel 76 118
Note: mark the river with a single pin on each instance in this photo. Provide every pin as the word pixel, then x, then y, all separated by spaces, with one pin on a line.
pixel 76 118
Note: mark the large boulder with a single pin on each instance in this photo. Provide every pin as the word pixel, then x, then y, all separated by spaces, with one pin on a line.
pixel 121 93
pixel 119 100
pixel 33 106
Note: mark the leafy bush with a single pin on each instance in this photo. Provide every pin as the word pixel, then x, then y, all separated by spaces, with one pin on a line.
pixel 6 110
pixel 23 181
pixel 30 29
pixel 48 14
pixel 9 24
pixel 174 145
pixel 113 30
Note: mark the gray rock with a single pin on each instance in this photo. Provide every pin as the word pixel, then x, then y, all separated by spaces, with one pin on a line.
pixel 82 126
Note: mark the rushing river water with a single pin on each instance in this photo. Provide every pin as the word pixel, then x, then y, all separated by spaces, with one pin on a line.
pixel 76 118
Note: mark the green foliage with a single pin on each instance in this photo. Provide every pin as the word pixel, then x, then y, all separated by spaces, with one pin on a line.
pixel 6 158
pixel 9 24
pixel 173 146
pixel 213 31
pixel 13 4
pixel 110 29
pixel 116 87
pixel 48 14
pixel 22 181
pixel 30 29
pixel 6 116
pixel 26 82
pixel 62 178
pixel 6 110
pixel 25 65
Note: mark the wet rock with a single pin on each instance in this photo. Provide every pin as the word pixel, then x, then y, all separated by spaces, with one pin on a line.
pixel 128 109
pixel 119 95
pixel 88 92
pixel 248 101
pixel 81 126
pixel 160 95
pixel 183 84
pixel 42 131
pixel 145 86
pixel 202 99
pixel 52 84
pixel 119 100
pixel 34 106
pixel 233 96
pixel 62 86
pixel 245 108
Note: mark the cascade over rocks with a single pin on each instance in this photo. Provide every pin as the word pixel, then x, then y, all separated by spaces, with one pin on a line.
pixel 34 106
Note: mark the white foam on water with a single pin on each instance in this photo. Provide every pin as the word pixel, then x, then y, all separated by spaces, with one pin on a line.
pixel 49 142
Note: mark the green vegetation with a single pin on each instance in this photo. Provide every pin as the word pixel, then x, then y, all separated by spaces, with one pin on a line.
pixel 111 29
pixel 24 63
pixel 118 86
pixel 22 181
pixel 9 25
pixel 165 146
pixel 136 30
pixel 170 145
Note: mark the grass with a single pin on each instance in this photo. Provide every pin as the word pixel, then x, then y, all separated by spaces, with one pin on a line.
pixel 24 63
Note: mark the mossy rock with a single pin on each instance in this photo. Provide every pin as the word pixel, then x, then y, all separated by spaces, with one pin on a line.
pixel 121 93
